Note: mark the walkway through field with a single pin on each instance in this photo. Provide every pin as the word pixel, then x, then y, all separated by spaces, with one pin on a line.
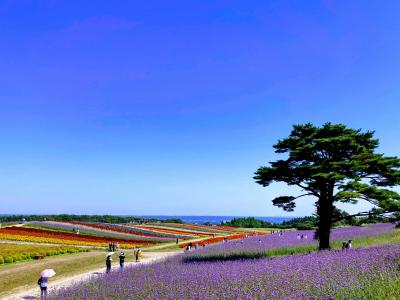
pixel 33 293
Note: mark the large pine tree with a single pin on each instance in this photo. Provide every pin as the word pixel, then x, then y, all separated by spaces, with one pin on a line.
pixel 333 164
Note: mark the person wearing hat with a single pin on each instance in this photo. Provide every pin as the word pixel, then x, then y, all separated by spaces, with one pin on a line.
pixel 121 259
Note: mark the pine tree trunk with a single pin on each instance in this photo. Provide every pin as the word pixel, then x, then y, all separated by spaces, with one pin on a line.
pixel 324 234
pixel 325 211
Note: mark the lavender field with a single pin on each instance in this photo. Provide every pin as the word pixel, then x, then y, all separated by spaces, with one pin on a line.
pixel 256 246
pixel 364 273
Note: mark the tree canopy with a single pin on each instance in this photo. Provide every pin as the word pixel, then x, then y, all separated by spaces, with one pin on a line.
pixel 333 163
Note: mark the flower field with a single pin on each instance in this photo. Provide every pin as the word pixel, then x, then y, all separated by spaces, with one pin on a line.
pixel 127 235
pixel 116 228
pixel 257 245
pixel 10 253
pixel 200 228
pixel 369 273
pixel 219 239
pixel 57 237
pixel 173 231
pixel 85 229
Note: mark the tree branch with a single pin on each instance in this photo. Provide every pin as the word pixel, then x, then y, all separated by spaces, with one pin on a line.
pixel 361 214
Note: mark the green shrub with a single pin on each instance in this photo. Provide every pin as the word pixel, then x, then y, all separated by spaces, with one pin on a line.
pixel 1 260
pixel 8 259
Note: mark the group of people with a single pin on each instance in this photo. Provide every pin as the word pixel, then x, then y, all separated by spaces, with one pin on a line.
pixel 279 232
pixel 112 247
pixel 346 245
pixel 137 252
pixel 75 230
pixel 195 246
pixel 302 236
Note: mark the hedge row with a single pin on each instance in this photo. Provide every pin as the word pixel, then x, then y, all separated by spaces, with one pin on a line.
pixel 31 255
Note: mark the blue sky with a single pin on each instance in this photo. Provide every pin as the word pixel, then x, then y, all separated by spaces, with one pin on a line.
pixel 168 107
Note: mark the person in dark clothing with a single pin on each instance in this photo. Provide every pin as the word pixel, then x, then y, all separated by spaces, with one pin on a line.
pixel 177 241
pixel 42 282
pixel 344 245
pixel 108 263
pixel 121 259
pixel 109 247
pixel 138 254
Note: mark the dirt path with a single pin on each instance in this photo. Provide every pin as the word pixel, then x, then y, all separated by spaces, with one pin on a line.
pixel 33 293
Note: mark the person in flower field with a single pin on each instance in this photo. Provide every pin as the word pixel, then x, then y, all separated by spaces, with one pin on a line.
pixel 108 263
pixel 346 245
pixel 121 259
pixel 42 282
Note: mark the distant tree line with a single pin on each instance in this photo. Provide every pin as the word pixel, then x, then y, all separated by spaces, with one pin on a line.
pixel 304 223
pixel 83 218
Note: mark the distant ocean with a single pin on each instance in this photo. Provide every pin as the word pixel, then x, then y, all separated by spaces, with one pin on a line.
pixel 202 219
pixel 216 219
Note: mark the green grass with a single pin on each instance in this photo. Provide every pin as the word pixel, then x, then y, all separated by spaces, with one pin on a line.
pixel 381 287
pixel 12 253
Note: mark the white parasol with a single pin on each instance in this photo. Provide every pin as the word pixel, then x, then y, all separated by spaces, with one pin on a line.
pixel 48 273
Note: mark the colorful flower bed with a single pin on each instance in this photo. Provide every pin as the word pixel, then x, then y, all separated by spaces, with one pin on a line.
pixel 68 227
pixel 10 253
pixel 199 228
pixel 173 231
pixel 49 236
pixel 370 273
pixel 122 229
pixel 219 239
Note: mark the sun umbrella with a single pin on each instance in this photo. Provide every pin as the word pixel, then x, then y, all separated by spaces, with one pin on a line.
pixel 48 273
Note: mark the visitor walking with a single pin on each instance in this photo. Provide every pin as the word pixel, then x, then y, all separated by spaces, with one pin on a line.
pixel 108 263
pixel 138 254
pixel 121 259
pixel 42 282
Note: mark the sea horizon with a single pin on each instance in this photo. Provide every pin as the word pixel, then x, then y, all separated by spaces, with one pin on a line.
pixel 194 219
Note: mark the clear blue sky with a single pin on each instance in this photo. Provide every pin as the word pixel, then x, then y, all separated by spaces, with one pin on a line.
pixel 168 107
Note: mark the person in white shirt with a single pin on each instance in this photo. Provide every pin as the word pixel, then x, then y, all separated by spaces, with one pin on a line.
pixel 42 282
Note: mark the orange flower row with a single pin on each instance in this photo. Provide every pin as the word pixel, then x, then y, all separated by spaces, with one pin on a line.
pixel 220 239
pixel 214 229
pixel 115 229
pixel 173 231
pixel 40 235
